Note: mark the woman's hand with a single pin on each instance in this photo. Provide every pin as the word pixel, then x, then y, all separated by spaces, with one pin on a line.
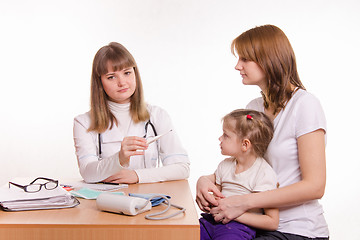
pixel 204 187
pixel 127 176
pixel 229 208
pixel 131 146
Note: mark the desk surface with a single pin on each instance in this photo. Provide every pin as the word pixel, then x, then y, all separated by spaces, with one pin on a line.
pixel 86 222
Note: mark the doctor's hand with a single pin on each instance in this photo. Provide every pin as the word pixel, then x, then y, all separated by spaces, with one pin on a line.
pixel 131 146
pixel 207 194
pixel 127 176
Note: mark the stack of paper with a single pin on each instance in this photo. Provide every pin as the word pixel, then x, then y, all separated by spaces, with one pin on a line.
pixel 16 199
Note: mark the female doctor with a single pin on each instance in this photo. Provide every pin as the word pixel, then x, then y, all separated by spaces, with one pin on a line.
pixel 110 139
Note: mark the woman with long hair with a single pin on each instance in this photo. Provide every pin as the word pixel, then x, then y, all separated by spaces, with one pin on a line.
pixel 297 150
pixel 111 139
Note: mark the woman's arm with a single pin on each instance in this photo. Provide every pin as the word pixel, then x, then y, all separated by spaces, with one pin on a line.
pixel 91 169
pixel 268 221
pixel 175 171
pixel 109 168
pixel 168 149
pixel 171 172
pixel 311 149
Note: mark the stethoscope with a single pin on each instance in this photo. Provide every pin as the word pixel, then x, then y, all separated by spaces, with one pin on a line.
pixel 146 130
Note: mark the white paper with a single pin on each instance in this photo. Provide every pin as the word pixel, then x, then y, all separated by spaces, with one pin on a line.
pixel 16 199
pixel 15 193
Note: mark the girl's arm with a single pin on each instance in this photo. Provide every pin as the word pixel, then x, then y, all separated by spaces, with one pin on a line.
pixel 204 187
pixel 311 148
pixel 268 221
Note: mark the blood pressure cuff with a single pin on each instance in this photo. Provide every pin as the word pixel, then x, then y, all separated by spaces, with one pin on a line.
pixel 155 201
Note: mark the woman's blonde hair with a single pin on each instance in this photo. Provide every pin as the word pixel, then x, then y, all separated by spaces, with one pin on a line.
pixel 100 115
pixel 269 47
pixel 253 125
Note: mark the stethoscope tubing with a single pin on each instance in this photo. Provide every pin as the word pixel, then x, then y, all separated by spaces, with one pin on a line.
pixel 146 127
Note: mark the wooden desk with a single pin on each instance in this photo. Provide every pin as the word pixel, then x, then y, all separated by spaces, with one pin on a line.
pixel 86 222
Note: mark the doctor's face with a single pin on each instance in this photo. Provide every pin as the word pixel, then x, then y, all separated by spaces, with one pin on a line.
pixel 119 85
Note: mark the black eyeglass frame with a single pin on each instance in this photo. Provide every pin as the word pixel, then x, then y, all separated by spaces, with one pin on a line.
pixel 40 184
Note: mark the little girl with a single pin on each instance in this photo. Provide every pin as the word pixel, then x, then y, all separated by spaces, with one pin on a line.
pixel 246 136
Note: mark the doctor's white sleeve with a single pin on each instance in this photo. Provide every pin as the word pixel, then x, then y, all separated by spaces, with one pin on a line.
pixel 91 169
pixel 175 171
pixel 175 164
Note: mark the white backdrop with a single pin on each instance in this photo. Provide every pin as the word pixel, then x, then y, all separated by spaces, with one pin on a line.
pixel 183 52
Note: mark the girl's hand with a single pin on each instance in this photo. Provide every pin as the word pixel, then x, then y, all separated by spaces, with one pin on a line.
pixel 229 208
pixel 207 193
pixel 131 146
pixel 127 176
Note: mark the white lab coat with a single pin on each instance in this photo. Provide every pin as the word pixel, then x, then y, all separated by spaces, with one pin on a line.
pixel 164 160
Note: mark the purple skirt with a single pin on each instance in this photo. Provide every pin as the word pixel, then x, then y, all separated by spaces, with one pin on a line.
pixel 209 229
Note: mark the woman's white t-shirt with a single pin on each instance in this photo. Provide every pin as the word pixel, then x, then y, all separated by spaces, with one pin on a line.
pixel 303 114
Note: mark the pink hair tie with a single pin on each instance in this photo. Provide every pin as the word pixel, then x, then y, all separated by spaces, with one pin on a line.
pixel 249 117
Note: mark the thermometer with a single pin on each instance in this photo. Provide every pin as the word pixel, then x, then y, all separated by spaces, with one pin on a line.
pixel 153 139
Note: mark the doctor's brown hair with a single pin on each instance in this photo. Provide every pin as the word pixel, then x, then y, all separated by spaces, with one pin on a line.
pixel 269 47
pixel 100 114
pixel 253 125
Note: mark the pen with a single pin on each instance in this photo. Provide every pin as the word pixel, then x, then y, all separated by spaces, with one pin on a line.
pixel 111 183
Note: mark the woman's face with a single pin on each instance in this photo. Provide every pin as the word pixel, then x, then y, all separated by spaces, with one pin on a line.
pixel 119 85
pixel 251 73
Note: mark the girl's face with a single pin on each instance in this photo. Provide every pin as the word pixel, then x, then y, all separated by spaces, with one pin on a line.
pixel 230 143
pixel 119 85
pixel 251 73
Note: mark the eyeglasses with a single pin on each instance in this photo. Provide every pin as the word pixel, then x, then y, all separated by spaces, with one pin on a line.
pixel 35 187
